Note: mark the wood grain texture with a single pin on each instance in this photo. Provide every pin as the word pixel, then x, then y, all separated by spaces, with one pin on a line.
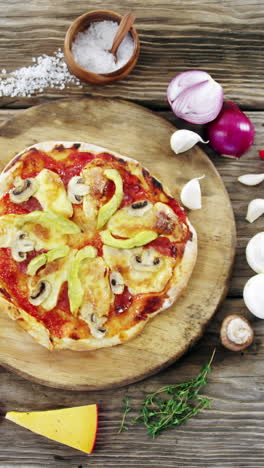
pixel 240 195
pixel 224 38
pixel 145 137
pixel 229 435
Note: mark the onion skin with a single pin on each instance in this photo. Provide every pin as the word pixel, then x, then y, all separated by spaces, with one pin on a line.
pixel 195 97
pixel 261 154
pixel 231 133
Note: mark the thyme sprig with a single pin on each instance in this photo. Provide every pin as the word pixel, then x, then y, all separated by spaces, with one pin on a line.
pixel 127 408
pixel 172 405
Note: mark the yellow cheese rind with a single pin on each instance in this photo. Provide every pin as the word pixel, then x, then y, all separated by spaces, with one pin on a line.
pixel 75 427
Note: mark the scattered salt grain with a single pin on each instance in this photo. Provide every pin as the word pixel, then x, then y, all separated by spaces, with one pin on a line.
pixel 48 71
pixel 90 48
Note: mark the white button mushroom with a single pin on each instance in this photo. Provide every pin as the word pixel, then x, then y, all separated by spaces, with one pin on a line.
pixel 139 208
pixel 255 253
pixel 23 190
pixel 96 325
pixel 21 245
pixel 148 260
pixel 39 293
pixel 77 189
pixel 236 332
pixel 254 296
pixel 117 282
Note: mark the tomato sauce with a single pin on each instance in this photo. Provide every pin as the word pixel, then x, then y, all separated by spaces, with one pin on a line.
pixel 35 161
pixel 22 266
pixel 164 246
pixel 122 301
pixel 63 299
pixel 54 322
pixel 177 209
pixel 8 207
pixel 133 190
pixel 10 278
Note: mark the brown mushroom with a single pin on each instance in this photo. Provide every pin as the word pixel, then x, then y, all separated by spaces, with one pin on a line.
pixel 236 332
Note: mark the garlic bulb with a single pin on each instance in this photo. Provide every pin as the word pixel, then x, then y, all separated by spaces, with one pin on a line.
pixel 255 253
pixel 183 140
pixel 251 179
pixel 255 209
pixel 253 295
pixel 191 194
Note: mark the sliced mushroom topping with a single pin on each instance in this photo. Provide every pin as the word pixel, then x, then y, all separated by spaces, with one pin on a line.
pixel 96 325
pixel 139 208
pixel 148 260
pixel 117 282
pixel 21 245
pixel 77 189
pixel 40 293
pixel 23 190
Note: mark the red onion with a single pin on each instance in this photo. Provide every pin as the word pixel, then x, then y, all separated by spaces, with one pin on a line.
pixel 195 97
pixel 261 154
pixel 231 132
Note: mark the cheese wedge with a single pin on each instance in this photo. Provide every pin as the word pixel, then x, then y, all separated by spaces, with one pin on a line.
pixel 75 426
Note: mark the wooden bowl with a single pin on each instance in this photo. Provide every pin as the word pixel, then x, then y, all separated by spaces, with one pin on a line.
pixel 82 23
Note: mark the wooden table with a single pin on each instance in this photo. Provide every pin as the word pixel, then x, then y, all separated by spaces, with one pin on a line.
pixel 225 39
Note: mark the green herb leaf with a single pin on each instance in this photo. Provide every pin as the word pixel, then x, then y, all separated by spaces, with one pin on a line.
pixel 127 408
pixel 171 405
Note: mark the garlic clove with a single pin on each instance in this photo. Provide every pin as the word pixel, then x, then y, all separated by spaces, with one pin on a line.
pixel 251 179
pixel 236 332
pixel 191 194
pixel 253 295
pixel 183 140
pixel 255 209
pixel 255 253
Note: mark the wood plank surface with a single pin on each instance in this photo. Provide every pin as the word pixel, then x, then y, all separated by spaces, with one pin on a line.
pixel 240 195
pixel 224 38
pixel 170 334
pixel 229 435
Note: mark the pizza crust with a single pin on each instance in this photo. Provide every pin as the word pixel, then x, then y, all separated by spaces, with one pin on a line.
pixel 37 330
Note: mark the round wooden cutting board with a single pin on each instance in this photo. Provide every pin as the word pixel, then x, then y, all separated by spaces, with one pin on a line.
pixel 136 132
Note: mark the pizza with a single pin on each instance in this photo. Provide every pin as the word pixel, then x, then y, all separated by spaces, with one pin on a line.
pixel 91 245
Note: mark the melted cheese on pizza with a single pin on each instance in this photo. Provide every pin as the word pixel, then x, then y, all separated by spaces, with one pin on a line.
pixel 55 273
pixel 98 296
pixel 144 281
pixel 105 306
pixel 43 236
pixel 51 193
pixel 129 221
pixel 95 181
pixel 125 223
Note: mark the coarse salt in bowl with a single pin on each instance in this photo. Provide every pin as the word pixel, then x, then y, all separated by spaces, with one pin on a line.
pixel 88 41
